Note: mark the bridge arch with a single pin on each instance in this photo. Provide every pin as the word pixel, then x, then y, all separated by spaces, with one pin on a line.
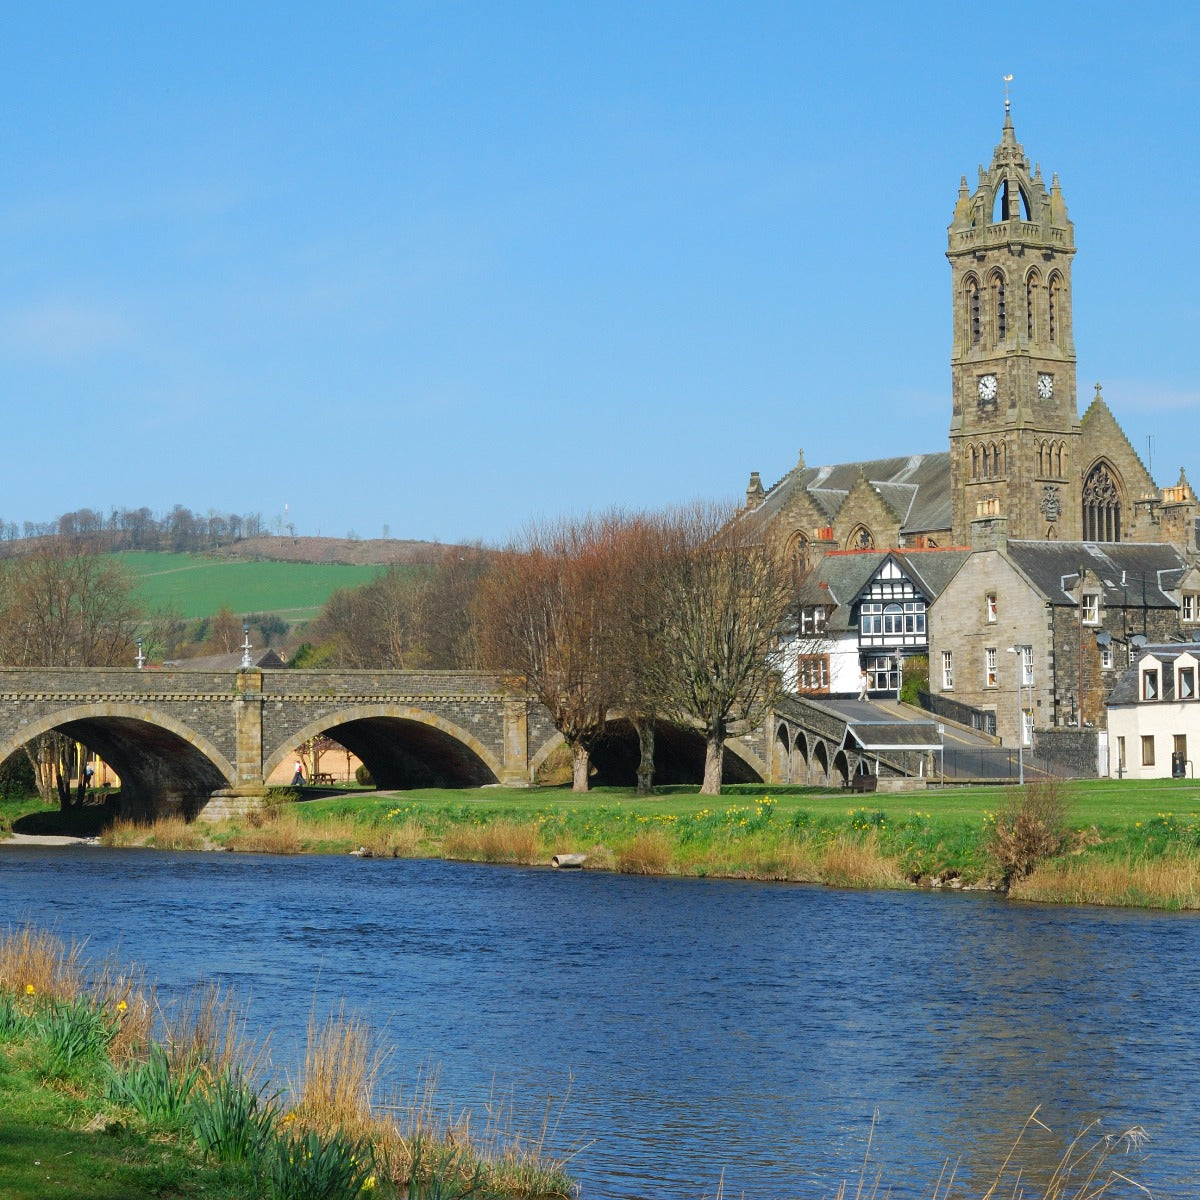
pixel 157 757
pixel 401 745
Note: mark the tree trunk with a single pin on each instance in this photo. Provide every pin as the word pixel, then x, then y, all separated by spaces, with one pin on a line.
pixel 714 758
pixel 645 770
pixel 581 766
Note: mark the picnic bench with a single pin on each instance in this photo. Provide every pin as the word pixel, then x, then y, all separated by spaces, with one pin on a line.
pixel 863 783
pixel 320 779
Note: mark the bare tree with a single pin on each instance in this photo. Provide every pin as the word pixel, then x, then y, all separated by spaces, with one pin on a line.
pixel 65 605
pixel 725 598
pixel 225 631
pixel 546 613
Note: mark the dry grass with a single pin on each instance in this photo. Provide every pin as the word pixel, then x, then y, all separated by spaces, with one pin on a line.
pixel 165 833
pixel 277 833
pixel 648 853
pixel 342 1064
pixel 38 963
pixel 859 863
pixel 392 841
pixel 204 1027
pixel 498 841
pixel 1156 883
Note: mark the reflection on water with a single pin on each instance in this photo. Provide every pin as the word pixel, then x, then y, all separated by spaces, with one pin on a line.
pixel 701 1027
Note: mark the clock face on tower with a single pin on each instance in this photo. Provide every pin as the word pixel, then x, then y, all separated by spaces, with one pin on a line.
pixel 987 387
pixel 1045 386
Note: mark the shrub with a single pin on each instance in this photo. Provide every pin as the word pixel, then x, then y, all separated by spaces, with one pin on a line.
pixel 156 1092
pixel 363 776
pixel 1029 830
pixel 310 1166
pixel 231 1121
pixel 16 776
pixel 73 1031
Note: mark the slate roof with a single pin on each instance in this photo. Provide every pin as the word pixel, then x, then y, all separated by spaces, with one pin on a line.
pixel 1125 691
pixel 916 487
pixel 896 735
pixel 226 662
pixel 1130 573
pixel 840 577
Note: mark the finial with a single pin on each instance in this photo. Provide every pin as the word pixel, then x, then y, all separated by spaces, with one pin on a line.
pixel 1007 100
pixel 800 460
pixel 1098 396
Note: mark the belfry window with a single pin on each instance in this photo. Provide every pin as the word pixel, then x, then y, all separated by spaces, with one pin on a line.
pixel 1053 302
pixel 1031 286
pixel 1000 309
pixel 973 311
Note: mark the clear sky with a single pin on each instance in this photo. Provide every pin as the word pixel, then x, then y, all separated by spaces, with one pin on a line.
pixel 452 267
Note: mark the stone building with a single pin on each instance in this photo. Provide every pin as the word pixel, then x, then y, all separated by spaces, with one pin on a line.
pixel 1019 449
pixel 1022 464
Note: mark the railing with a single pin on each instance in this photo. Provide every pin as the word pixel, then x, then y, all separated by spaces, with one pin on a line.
pixel 979 719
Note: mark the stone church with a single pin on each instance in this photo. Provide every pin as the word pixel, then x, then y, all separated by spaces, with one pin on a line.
pixel 1022 464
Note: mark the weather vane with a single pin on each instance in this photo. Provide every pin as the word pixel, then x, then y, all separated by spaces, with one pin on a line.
pixel 1007 102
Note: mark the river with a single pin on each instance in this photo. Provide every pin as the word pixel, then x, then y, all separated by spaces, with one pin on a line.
pixel 710 1034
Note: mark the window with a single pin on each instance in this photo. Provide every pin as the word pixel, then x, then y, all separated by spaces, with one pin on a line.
pixel 1091 608
pixel 1106 658
pixel 1189 609
pixel 1187 683
pixel 870 618
pixel 989 667
pixel 1147 750
pixel 1027 666
pixel 990 606
pixel 812 620
pixel 1026 727
pixel 1181 745
pixel 814 672
pixel 1150 685
pixel 947 671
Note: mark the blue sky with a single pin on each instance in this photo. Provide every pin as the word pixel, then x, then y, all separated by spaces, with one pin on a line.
pixel 451 268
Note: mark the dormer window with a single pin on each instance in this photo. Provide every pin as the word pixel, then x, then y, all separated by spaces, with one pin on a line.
pixel 1187 683
pixel 1150 684
pixel 1189 607
pixel 1091 608
pixel 812 620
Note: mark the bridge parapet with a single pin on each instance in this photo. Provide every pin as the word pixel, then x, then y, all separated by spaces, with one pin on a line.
pixel 303 684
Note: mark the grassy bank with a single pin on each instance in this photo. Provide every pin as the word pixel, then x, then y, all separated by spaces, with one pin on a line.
pixel 1121 842
pixel 102 1094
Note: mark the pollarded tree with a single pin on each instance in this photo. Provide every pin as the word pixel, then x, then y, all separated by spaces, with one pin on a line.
pixel 725 598
pixel 546 612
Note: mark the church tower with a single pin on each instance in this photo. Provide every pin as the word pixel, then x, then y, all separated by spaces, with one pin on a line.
pixel 1014 431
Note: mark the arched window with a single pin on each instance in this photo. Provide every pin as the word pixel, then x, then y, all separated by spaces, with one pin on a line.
pixel 972 302
pixel 1054 305
pixel 1102 505
pixel 799 552
pixel 1043 453
pixel 999 309
pixel 861 538
pixel 1060 460
pixel 1031 298
pixel 974 462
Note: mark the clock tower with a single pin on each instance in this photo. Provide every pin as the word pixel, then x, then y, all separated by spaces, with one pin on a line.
pixel 1014 429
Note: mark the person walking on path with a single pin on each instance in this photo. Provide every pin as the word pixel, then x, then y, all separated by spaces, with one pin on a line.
pixel 298 777
pixel 864 681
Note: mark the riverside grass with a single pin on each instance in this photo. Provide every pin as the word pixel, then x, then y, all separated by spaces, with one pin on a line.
pixel 1127 842
pixel 178 1115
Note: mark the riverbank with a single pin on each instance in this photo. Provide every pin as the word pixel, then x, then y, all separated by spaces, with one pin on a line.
pixel 1115 842
pixel 103 1093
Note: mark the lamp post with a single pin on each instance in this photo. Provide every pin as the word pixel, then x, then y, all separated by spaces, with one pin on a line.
pixel 1024 654
pixel 246 663
pixel 141 658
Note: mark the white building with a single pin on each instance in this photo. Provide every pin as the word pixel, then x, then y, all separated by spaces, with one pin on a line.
pixel 1154 714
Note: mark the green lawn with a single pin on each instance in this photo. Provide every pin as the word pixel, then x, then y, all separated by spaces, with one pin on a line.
pixel 197 586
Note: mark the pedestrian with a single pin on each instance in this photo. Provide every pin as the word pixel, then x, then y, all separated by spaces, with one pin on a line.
pixel 864 681
pixel 88 772
pixel 298 777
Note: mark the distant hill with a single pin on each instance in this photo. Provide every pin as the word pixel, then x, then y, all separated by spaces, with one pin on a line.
pixel 365 552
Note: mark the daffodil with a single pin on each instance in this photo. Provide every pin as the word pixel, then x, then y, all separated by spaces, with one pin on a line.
pixel 30 990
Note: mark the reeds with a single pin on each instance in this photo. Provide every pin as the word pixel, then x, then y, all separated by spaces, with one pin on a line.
pixel 163 833
pixel 501 841
pixel 1170 883
pixel 649 852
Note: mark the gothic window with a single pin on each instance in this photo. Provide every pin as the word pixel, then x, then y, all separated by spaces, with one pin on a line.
pixel 974 462
pixel 998 458
pixel 1031 291
pixel 861 538
pixel 973 309
pixel 999 307
pixel 798 550
pixel 1101 505
pixel 1054 303
pixel 1060 459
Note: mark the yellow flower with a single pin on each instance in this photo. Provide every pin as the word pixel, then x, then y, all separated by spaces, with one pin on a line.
pixel 30 990
pixel 368 1183
pixel 122 1006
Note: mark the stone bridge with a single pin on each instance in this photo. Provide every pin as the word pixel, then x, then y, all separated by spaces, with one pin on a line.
pixel 209 739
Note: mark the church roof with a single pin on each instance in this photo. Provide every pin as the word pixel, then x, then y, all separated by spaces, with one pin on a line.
pixel 916 487
pixel 1129 573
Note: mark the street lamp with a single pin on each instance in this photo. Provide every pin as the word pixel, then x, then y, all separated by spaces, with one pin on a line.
pixel 246 663
pixel 1024 666
pixel 141 658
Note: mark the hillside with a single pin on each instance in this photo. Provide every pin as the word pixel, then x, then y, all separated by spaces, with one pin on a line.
pixel 364 552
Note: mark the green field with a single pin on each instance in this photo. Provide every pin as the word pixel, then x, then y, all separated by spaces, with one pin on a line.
pixel 198 586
